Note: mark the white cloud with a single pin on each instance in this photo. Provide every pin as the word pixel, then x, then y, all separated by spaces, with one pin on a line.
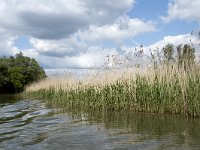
pixel 144 59
pixel 59 48
pixel 176 40
pixel 53 19
pixel 121 29
pixel 184 10
pixel 7 47
pixel 60 31
pixel 93 58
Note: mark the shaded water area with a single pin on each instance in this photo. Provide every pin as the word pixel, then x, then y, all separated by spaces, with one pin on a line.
pixel 31 125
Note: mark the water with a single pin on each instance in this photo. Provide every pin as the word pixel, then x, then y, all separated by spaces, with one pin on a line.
pixel 30 125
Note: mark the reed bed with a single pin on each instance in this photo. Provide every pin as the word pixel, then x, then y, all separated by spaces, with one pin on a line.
pixel 166 89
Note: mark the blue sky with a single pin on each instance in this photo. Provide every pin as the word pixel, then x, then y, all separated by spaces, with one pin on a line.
pixel 79 34
pixel 153 10
pixel 23 43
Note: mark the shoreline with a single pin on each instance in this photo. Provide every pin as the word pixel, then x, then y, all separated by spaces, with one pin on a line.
pixel 164 91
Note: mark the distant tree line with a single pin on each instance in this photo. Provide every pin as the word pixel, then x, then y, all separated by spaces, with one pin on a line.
pixel 18 71
pixel 183 55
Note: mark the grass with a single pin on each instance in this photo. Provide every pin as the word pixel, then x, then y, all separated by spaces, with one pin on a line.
pixel 165 90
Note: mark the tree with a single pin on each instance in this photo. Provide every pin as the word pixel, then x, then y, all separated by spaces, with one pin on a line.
pixel 168 53
pixel 4 77
pixel 16 72
pixel 185 56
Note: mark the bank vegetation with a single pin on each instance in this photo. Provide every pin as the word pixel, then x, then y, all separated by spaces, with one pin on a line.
pixel 171 85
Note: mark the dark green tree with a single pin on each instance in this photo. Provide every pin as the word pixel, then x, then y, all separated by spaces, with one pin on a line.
pixel 185 56
pixel 168 51
pixel 17 72
pixel 4 77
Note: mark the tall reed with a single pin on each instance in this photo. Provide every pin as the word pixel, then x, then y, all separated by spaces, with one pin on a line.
pixel 166 89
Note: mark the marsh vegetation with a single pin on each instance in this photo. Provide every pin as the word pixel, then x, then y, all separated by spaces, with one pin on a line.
pixel 170 85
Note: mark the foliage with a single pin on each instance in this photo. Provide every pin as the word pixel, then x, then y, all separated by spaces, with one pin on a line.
pixel 171 87
pixel 168 53
pixel 166 90
pixel 186 56
pixel 17 72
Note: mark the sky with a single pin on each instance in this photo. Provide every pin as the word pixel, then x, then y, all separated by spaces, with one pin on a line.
pixel 81 33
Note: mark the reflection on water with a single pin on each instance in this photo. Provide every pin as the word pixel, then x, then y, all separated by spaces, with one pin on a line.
pixel 29 125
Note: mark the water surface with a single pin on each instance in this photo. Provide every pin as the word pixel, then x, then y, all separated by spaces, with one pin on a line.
pixel 30 125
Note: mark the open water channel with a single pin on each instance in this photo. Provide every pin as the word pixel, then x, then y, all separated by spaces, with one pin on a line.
pixel 31 125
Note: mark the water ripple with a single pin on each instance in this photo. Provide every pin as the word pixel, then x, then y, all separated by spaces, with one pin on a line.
pixel 29 125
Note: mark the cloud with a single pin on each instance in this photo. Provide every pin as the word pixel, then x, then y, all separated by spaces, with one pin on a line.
pixel 59 48
pixel 135 56
pixel 77 43
pixel 7 47
pixel 93 58
pixel 175 40
pixel 184 10
pixel 53 19
pixel 121 29
pixel 61 32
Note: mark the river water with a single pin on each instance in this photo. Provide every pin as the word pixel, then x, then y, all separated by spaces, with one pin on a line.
pixel 31 125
